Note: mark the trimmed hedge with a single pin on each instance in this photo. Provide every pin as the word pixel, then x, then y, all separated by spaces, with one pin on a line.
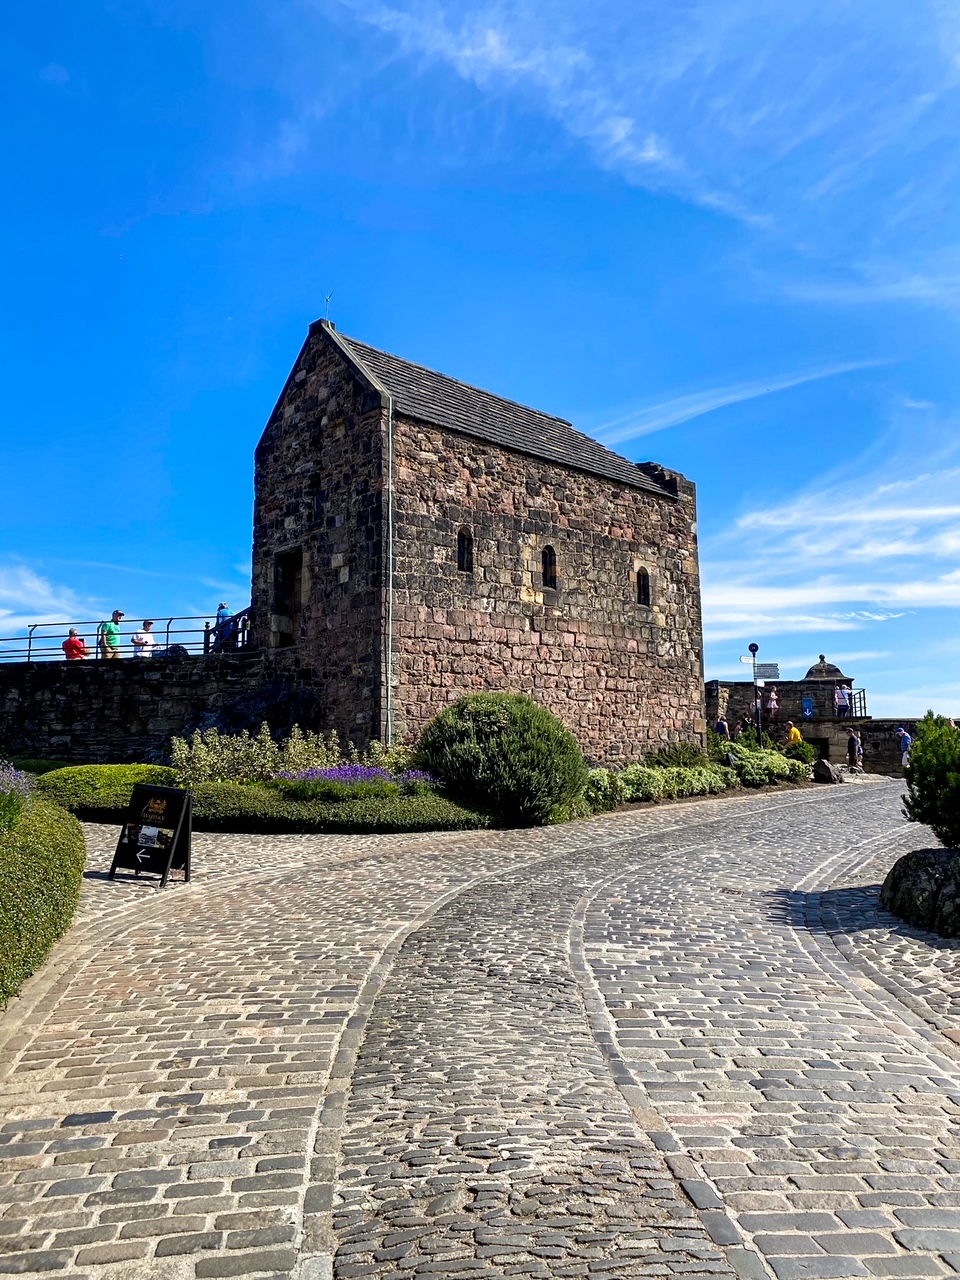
pixel 37 767
pixel 229 806
pixel 41 867
pixel 101 793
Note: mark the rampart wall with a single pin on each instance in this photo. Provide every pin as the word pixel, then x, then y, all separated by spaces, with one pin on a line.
pixel 101 712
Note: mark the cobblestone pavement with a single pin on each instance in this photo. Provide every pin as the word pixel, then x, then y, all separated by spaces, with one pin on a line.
pixel 670 1041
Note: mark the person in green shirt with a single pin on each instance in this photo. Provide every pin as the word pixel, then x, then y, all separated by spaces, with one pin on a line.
pixel 110 636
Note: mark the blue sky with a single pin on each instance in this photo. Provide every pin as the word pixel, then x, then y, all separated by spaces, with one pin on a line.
pixel 722 236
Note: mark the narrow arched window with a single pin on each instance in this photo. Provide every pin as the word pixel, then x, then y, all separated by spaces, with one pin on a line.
pixel 643 588
pixel 549 563
pixel 465 551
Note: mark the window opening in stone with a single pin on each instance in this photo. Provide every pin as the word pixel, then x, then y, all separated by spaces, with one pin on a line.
pixel 287 588
pixel 549 564
pixel 643 587
pixel 465 551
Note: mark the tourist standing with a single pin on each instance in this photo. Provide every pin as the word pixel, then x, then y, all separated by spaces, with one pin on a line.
pixel 144 640
pixel 773 703
pixel 223 630
pixel 906 742
pixel 75 647
pixel 723 729
pixel 854 750
pixel 110 635
pixel 841 699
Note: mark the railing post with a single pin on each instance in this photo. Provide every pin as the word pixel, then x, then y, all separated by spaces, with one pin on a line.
pixel 30 630
pixel 206 637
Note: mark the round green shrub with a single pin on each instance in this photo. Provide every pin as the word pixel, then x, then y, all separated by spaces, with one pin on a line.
pixel 507 753
pixel 932 776
pixel 42 858
pixel 100 792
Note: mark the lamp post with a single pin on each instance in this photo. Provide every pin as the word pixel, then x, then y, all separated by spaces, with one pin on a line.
pixel 757 714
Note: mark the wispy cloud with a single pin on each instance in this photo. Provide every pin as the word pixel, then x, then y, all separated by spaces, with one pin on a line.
pixel 771 114
pixel 54 73
pixel 853 551
pixel 669 413
pixel 26 597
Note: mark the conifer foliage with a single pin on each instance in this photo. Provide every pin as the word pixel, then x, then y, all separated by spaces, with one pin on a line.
pixel 933 779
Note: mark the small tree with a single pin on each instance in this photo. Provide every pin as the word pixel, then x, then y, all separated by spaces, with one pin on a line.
pixel 933 779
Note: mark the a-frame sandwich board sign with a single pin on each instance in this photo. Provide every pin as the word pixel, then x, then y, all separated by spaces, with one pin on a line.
pixel 155 837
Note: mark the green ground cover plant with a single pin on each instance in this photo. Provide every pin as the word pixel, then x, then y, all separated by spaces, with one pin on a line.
pixel 932 776
pixel 42 856
pixel 507 753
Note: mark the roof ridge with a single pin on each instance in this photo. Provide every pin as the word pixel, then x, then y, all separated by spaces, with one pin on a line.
pixel 429 396
pixel 469 386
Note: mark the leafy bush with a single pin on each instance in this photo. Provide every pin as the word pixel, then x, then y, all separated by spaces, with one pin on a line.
pixel 507 753
pixel 805 752
pixel 211 756
pixel 644 782
pixel 14 790
pixel 37 767
pixel 933 779
pixel 41 866
pixel 799 770
pixel 101 792
pixel 604 790
pixel 659 783
pixel 679 781
pixel 748 739
pixel 764 768
pixel 678 755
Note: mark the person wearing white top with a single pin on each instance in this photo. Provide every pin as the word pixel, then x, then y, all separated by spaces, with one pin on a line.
pixel 144 640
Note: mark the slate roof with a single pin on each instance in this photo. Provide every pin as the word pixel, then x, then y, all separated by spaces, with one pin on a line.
pixel 432 397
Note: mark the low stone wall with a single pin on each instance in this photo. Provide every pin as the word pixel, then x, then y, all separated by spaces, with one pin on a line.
pixel 100 712
pixel 881 747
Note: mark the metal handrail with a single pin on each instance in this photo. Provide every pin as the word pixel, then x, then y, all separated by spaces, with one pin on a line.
pixel 43 641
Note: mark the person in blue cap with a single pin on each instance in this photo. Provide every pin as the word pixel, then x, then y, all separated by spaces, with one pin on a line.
pixel 906 742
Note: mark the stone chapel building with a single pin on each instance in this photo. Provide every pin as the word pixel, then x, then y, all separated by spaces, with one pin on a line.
pixel 416 538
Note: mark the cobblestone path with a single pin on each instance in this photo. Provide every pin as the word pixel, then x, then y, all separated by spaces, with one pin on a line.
pixel 676 1041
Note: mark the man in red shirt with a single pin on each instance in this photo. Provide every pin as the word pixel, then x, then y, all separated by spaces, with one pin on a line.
pixel 75 647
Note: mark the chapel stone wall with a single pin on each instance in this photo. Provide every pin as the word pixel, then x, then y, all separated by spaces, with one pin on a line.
pixel 318 534
pixel 624 676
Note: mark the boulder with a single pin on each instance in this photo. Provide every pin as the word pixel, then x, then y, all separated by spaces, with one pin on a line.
pixel 824 771
pixel 923 888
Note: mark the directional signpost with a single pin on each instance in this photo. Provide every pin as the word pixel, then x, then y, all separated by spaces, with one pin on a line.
pixel 768 671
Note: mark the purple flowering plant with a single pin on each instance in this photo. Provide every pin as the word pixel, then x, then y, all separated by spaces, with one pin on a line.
pixel 353 782
pixel 15 787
